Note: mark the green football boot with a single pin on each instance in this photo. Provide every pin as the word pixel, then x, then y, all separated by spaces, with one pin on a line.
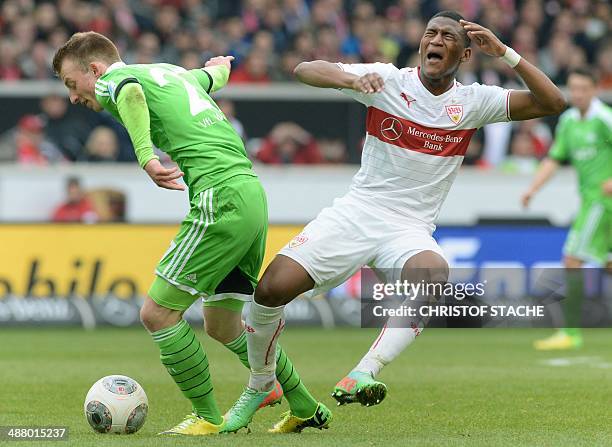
pixel 293 424
pixel 240 416
pixel 359 387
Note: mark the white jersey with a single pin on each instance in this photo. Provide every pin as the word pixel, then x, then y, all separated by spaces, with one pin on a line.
pixel 415 140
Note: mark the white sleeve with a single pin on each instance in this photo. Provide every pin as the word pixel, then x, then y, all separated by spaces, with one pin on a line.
pixel 494 104
pixel 384 70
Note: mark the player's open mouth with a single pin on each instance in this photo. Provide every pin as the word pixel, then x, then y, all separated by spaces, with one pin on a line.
pixel 433 56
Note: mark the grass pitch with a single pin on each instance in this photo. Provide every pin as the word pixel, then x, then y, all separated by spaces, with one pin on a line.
pixel 452 387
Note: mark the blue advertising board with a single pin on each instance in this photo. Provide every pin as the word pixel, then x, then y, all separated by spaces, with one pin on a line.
pixel 526 245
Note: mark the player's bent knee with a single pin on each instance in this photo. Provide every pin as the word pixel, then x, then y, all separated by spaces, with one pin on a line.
pixel 213 332
pixel 154 317
pixel 269 292
pixel 427 266
pixel 219 333
pixel 147 318
pixel 283 280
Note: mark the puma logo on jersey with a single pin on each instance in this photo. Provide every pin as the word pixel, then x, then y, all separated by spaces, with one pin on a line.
pixel 407 98
pixel 191 277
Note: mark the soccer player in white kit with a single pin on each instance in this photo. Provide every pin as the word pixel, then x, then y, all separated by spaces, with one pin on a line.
pixel 419 123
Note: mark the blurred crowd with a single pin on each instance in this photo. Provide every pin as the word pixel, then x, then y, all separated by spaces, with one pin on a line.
pixel 269 38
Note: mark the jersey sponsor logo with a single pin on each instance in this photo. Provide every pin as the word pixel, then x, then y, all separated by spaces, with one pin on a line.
pixel 249 329
pixel 391 128
pixel 298 240
pixel 409 99
pixel 409 135
pixel 455 112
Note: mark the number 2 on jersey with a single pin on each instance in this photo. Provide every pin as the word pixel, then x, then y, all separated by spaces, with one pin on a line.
pixel 196 104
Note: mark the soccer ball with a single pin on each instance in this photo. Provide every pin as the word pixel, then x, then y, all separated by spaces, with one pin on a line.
pixel 116 404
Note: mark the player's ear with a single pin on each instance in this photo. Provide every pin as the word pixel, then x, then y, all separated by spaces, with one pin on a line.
pixel 467 54
pixel 96 69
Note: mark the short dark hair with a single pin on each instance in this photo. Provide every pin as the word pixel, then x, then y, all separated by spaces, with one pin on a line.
pixel 73 181
pixel 84 48
pixel 454 15
pixel 586 72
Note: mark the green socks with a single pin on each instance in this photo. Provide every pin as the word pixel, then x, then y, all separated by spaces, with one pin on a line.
pixel 572 305
pixel 301 402
pixel 186 362
pixel 239 347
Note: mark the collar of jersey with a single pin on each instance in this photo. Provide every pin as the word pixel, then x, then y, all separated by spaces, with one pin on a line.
pixel 114 66
pixel 449 92
pixel 593 109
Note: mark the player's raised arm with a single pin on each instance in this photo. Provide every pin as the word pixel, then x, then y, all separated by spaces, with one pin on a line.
pixel 215 73
pixel 543 97
pixel 133 110
pixel 329 75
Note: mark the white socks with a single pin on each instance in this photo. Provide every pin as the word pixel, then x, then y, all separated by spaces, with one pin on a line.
pixel 263 327
pixel 390 343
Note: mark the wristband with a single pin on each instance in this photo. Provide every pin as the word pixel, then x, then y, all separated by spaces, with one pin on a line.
pixel 511 57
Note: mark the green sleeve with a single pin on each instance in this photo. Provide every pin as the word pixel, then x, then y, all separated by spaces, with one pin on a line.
pixel 605 127
pixel 212 78
pixel 134 112
pixel 559 150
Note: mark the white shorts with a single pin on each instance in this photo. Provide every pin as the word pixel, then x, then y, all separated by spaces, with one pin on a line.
pixel 351 234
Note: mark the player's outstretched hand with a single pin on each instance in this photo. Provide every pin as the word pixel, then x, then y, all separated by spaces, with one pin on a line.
pixel 484 38
pixel 526 198
pixel 607 187
pixel 164 177
pixel 369 83
pixel 220 60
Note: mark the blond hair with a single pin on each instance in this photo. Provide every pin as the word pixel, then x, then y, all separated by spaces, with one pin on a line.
pixel 84 48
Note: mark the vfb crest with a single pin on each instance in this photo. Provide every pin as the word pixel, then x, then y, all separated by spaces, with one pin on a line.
pixel 455 112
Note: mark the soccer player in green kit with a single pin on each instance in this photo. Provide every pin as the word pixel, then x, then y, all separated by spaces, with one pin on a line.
pixel 219 249
pixel 584 138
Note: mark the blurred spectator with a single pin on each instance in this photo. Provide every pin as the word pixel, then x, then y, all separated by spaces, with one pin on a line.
pixel 26 143
pixel 284 73
pixel 66 128
pixel 101 146
pixel 522 158
pixel 604 63
pixel 289 143
pixel 333 151
pixel 77 207
pixel 270 37
pixel 147 50
pixel 9 68
pixel 548 32
pixel 539 135
pixel 37 64
pixel 108 204
pixel 255 70
pixel 473 154
pixel 228 109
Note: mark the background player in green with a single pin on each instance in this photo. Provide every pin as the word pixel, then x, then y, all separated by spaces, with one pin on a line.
pixel 218 251
pixel 584 138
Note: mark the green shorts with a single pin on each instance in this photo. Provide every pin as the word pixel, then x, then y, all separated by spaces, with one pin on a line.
pixel 219 248
pixel 590 238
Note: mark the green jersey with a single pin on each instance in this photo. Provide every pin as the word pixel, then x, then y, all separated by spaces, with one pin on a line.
pixel 587 144
pixel 184 121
